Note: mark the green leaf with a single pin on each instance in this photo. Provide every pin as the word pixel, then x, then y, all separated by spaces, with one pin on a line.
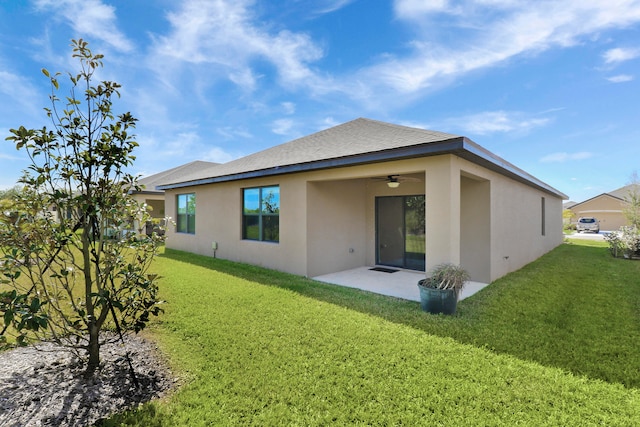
pixel 35 305
pixel 8 317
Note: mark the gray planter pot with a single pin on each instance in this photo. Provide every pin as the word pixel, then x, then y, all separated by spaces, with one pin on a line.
pixel 437 301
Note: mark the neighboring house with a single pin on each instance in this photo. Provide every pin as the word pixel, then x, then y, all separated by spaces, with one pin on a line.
pixel 606 207
pixel 153 197
pixel 367 193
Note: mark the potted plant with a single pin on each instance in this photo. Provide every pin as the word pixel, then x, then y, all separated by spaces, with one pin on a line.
pixel 439 292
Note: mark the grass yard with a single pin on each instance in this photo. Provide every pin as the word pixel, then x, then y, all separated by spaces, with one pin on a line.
pixel 552 344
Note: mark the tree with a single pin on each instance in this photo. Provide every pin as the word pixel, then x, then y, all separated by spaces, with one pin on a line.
pixel 67 278
pixel 632 207
pixel 10 193
pixel 567 216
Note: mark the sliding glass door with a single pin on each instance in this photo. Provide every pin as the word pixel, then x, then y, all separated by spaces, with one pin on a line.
pixel 400 232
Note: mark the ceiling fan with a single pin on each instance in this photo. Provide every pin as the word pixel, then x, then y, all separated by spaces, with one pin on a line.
pixel 393 181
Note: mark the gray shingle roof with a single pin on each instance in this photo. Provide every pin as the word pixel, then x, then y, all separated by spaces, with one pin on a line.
pixel 623 192
pixel 359 141
pixel 360 136
pixel 171 175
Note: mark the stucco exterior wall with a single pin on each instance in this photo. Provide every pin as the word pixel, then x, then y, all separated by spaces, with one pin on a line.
pixel 341 212
pixel 219 219
pixel 518 237
pixel 336 226
pixel 475 227
pixel 489 223
pixel 442 195
pixel 516 221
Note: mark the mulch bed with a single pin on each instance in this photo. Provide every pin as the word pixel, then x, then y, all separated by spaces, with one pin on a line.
pixel 46 385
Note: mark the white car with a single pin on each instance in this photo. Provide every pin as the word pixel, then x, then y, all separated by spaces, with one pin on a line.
pixel 588 224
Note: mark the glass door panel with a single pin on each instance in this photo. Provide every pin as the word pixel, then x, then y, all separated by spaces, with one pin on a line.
pixel 390 234
pixel 414 223
pixel 400 232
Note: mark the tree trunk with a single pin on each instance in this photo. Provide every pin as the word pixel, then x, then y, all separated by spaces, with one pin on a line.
pixel 94 331
pixel 93 348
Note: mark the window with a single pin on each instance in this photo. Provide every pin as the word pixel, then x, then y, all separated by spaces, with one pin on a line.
pixel 186 213
pixel 261 214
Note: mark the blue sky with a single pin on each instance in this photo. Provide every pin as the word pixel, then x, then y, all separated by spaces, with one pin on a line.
pixel 551 86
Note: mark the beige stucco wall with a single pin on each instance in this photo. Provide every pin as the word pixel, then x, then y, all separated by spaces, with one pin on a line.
pixel 336 226
pixel 607 209
pixel 515 220
pixel 219 219
pixel 475 226
pixel 489 223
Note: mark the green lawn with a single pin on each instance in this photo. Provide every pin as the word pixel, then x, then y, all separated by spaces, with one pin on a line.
pixel 552 344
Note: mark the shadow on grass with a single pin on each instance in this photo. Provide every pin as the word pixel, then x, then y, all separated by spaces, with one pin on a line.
pixel 557 311
pixel 143 416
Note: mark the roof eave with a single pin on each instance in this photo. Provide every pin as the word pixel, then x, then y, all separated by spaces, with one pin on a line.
pixel 429 149
pixel 459 146
pixel 595 197
pixel 478 155
pixel 149 192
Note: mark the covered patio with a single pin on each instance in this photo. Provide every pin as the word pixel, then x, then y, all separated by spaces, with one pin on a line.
pixel 397 283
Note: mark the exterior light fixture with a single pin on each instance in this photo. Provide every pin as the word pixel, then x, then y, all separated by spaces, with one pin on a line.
pixel 393 183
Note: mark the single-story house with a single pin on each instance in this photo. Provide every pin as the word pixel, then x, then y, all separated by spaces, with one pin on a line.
pixel 153 197
pixel 607 208
pixel 367 193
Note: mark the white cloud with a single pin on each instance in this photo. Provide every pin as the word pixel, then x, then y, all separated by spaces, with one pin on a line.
pixel 415 9
pixel 20 92
pixel 282 126
pixel 490 33
pixel 328 6
pixel 496 121
pixel 90 18
pixel 288 107
pixel 172 143
pixel 229 40
pixel 243 78
pixel 188 145
pixel 620 78
pixel 229 36
pixel 562 157
pixel 233 133
pixel 414 124
pixel 4 156
pixel 218 155
pixel 328 122
pixel 617 55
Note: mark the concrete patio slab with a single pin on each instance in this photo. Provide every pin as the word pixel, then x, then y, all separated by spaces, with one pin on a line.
pixel 400 284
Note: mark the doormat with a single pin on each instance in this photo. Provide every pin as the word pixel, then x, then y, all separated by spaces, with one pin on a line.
pixel 384 270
